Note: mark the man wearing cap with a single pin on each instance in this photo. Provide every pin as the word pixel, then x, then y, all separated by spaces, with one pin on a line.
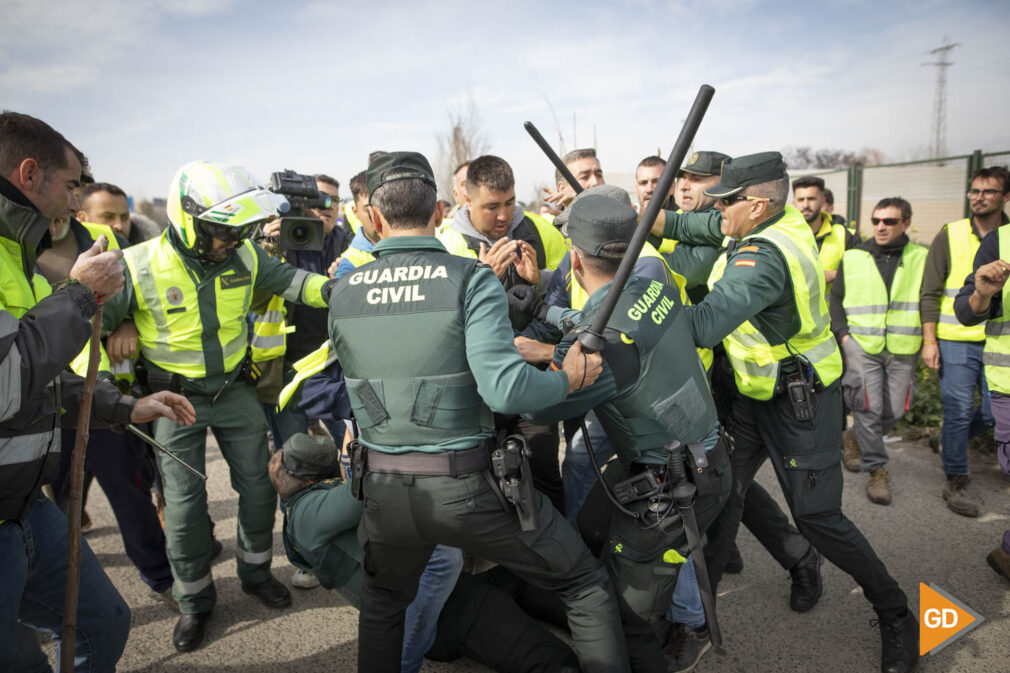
pixel 767 307
pixel 187 296
pixel 472 616
pixel 648 396
pixel 537 347
pixel 426 346
pixel 762 514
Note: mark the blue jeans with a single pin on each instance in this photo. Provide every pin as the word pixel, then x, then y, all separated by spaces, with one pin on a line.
pixel 421 619
pixel 961 373
pixel 577 472
pixel 685 605
pixel 33 556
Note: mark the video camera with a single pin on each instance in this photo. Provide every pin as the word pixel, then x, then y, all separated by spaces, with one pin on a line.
pixel 299 232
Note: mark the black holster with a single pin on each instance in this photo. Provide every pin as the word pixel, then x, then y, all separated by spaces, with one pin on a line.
pixel 705 467
pixel 359 465
pixel 510 465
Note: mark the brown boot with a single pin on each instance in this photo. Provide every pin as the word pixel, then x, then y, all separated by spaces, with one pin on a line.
pixel 958 499
pixel 999 561
pixel 878 490
pixel 851 457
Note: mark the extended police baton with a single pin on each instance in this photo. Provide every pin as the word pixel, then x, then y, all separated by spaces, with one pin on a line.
pixel 553 156
pixel 592 339
pixel 683 498
pixel 153 442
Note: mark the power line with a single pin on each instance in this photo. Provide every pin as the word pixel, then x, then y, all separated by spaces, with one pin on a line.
pixel 940 106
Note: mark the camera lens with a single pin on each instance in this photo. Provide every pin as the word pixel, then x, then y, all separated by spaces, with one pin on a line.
pixel 301 234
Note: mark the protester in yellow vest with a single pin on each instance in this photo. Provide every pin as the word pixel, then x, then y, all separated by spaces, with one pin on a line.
pixel 359 251
pixel 875 317
pixel 767 307
pixel 188 293
pixel 984 298
pixel 832 239
pixel 953 348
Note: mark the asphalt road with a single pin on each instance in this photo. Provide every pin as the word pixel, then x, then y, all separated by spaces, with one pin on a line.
pixel 917 537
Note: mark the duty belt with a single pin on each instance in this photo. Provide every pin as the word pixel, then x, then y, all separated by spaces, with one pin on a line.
pixel 446 463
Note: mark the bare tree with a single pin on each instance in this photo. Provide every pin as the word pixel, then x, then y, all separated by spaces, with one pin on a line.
pixel 464 140
pixel 808 157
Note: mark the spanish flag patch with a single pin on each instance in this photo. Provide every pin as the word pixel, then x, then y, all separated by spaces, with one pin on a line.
pixel 745 262
pixel 555 367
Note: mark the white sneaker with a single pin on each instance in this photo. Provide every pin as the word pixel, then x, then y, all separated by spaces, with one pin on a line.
pixel 304 579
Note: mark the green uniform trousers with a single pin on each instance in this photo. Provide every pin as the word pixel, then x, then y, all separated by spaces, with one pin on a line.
pixel 239 426
pixel 406 516
pixel 644 556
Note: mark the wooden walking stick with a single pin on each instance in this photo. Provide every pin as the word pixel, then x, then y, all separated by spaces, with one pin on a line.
pixel 69 632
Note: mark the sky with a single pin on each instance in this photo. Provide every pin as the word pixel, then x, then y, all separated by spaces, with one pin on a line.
pixel 143 87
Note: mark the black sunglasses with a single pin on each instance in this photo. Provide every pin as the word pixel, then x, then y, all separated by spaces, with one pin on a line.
pixel 889 221
pixel 224 232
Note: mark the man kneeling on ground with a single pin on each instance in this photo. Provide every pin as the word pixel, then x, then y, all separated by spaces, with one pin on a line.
pixel 453 614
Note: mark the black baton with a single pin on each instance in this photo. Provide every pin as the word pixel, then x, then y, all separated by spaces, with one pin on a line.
pixel 592 339
pixel 553 156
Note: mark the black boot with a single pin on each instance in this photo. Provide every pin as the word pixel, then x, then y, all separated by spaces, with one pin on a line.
pixel 734 566
pixel 899 643
pixel 806 589
pixel 271 593
pixel 189 631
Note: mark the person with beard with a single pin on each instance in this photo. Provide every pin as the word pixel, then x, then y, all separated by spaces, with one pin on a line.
pixel 956 349
pixel 522 248
pixel 186 299
pixel 875 318
pixel 833 239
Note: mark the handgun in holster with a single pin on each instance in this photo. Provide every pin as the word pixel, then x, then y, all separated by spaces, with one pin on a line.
pixel 359 464
pixel 510 465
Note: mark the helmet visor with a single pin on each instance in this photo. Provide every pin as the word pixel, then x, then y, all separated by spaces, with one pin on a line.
pixel 225 232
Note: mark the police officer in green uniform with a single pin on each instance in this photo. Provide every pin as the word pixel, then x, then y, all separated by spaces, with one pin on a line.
pixel 653 391
pixel 486 617
pixel 186 299
pixel 425 343
pixel 767 306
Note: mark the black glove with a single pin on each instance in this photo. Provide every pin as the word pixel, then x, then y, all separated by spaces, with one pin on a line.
pixel 527 300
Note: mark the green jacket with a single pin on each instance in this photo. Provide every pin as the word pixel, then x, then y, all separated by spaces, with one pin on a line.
pixel 414 337
pixel 755 286
pixel 320 534
pixel 649 393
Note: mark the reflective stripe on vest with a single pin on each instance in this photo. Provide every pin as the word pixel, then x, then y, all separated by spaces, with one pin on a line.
pixel 876 321
pixel 313 363
pixel 269 337
pixel 358 257
pixel 963 245
pixel 168 311
pixel 755 361
pixel 996 356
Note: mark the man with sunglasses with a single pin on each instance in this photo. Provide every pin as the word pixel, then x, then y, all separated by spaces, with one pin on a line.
pixel 767 307
pixel 185 303
pixel 955 349
pixel 875 317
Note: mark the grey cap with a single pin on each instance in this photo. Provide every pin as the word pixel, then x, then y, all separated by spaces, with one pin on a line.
pixel 310 457
pixel 597 221
pixel 610 191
